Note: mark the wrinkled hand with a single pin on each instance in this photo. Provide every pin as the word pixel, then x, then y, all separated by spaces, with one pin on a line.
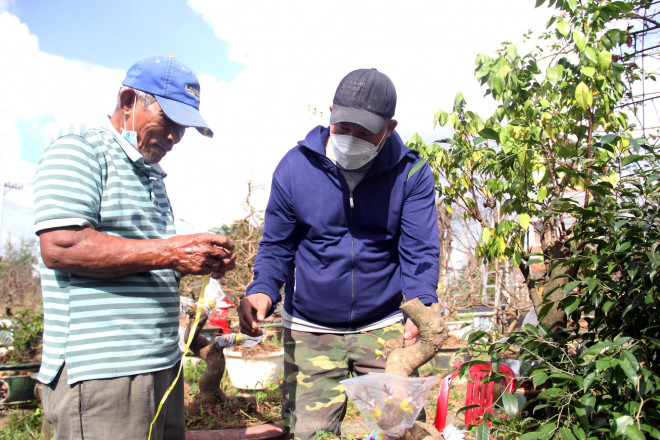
pixel 251 311
pixel 202 254
pixel 410 333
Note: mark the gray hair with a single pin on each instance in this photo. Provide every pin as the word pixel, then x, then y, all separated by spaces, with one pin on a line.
pixel 146 98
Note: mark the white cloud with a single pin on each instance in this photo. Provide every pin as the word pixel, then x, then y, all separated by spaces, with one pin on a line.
pixel 294 52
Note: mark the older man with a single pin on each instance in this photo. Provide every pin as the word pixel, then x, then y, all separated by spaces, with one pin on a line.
pixel 111 262
pixel 350 228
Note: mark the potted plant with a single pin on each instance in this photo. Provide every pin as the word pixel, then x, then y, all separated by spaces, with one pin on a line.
pixel 20 357
pixel 255 367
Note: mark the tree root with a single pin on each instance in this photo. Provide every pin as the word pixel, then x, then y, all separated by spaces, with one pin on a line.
pixel 209 383
pixel 404 361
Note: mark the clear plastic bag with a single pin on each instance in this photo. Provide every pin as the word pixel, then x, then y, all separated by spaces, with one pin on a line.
pixel 389 404
pixel 234 339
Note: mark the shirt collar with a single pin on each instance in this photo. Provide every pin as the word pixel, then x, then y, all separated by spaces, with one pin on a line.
pixel 132 152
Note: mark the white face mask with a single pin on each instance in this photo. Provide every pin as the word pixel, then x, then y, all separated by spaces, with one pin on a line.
pixel 352 153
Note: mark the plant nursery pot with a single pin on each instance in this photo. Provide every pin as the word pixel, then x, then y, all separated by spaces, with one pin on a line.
pixel 268 431
pixel 253 373
pixel 18 383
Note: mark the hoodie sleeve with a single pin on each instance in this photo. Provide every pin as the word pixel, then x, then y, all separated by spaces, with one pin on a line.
pixel 274 263
pixel 419 246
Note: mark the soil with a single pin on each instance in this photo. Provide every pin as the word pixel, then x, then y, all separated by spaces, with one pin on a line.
pixel 258 350
pixel 238 411
pixel 453 341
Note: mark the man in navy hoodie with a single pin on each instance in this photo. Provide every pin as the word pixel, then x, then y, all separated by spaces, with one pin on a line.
pixel 350 232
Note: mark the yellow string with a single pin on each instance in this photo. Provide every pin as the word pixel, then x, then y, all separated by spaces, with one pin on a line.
pixel 191 336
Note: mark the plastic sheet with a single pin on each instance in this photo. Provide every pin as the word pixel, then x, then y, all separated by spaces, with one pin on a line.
pixel 389 404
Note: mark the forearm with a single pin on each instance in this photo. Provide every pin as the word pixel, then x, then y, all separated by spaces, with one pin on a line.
pixel 87 252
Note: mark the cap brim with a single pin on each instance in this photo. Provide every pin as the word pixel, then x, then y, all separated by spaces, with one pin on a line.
pixel 366 119
pixel 184 114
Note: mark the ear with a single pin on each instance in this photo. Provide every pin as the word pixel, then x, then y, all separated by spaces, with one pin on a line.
pixel 391 128
pixel 127 98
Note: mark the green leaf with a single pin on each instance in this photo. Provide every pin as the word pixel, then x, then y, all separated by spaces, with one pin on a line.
pixel 539 378
pixel 634 434
pixel 498 85
pixel 629 369
pixel 483 431
pixel 631 159
pixel 590 53
pixel 564 28
pixel 511 51
pixel 538 173
pixel 622 423
pixel 554 73
pixel 588 71
pixel 572 304
pixel 517 258
pixel 580 40
pixel 566 434
pixel 485 235
pixel 543 192
pixel 572 4
pixel 489 133
pixel 523 221
pixel 583 96
pixel 588 380
pixel 510 404
pixel 568 287
pixel 441 117
pixel 604 60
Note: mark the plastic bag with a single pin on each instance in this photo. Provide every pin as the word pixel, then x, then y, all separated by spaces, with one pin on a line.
pixel 213 294
pixel 234 339
pixel 389 404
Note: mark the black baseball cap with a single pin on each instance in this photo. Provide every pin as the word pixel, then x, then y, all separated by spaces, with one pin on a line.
pixel 366 97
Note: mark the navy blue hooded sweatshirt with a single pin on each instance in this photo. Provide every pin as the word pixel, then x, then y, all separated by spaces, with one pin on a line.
pixel 353 255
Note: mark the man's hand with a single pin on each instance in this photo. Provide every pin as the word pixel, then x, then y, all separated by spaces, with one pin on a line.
pixel 410 333
pixel 251 311
pixel 202 254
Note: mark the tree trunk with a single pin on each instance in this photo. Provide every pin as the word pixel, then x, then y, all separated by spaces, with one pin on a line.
pixel 404 361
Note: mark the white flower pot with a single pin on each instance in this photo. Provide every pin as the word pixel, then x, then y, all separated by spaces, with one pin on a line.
pixel 253 373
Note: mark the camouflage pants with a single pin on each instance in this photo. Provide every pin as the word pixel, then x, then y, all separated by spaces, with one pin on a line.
pixel 314 363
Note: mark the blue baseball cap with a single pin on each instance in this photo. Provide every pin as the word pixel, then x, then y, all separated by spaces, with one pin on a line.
pixel 175 87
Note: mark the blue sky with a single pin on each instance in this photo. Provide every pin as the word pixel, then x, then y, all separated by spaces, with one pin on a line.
pixel 268 71
pixel 115 33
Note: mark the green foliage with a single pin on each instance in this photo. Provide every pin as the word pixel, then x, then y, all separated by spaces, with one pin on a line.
pixel 22 425
pixel 19 282
pixel 26 329
pixel 560 158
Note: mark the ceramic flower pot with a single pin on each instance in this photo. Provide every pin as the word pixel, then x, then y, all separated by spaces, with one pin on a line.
pixel 255 372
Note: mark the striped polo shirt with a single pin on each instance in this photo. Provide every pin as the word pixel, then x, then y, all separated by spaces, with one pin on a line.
pixel 92 177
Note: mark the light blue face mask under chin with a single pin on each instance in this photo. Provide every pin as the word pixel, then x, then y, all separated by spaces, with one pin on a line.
pixel 131 135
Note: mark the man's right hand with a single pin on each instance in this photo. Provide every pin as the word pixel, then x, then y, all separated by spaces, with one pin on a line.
pixel 251 311
pixel 202 254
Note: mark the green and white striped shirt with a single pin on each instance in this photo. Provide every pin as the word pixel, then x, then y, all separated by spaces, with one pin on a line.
pixel 115 327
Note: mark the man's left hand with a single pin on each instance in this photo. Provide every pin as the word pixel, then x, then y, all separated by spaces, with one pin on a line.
pixel 410 333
